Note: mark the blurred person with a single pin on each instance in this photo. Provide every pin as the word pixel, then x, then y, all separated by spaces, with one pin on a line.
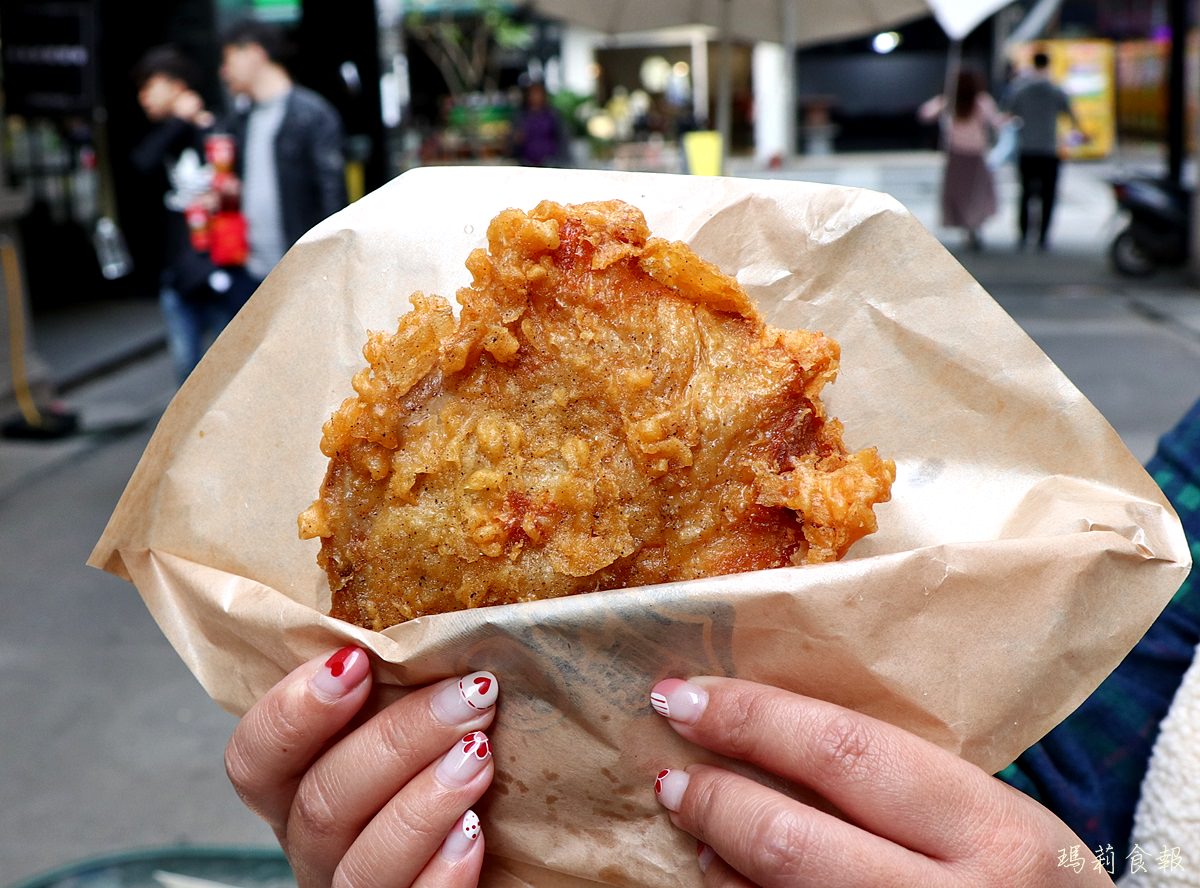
pixel 290 156
pixel 969 119
pixel 1004 150
pixel 346 807
pixel 539 137
pixel 1038 103
pixel 198 299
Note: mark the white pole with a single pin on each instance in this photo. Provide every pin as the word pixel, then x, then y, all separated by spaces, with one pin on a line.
pixel 772 104
pixel 725 82
pixel 578 59
pixel 789 22
pixel 700 82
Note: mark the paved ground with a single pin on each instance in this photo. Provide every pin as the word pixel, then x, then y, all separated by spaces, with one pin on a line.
pixel 107 742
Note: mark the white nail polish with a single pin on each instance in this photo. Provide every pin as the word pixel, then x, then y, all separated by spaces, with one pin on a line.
pixel 462 837
pixel 679 701
pixel 660 704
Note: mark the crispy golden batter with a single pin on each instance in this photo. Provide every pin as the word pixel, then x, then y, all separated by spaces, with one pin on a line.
pixel 608 411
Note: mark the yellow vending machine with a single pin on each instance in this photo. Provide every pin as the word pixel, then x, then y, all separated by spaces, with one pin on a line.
pixel 1085 70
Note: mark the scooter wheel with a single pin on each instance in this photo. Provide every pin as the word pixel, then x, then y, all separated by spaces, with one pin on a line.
pixel 1129 258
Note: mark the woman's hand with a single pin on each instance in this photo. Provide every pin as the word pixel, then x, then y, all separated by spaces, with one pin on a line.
pixel 915 815
pixel 385 804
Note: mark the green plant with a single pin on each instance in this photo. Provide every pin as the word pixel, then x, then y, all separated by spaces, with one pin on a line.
pixel 459 38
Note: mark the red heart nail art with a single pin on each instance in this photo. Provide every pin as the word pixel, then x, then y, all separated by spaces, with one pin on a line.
pixel 478 690
pixel 337 663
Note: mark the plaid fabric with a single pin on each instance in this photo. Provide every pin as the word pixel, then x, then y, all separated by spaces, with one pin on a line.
pixel 1089 769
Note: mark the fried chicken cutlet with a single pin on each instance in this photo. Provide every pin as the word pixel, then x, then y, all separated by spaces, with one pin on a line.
pixel 609 410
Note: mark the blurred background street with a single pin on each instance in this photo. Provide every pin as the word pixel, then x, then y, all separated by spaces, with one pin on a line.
pixel 106 741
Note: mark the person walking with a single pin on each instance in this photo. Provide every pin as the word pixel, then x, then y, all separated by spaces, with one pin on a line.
pixel 969 119
pixel 198 296
pixel 1038 103
pixel 290 163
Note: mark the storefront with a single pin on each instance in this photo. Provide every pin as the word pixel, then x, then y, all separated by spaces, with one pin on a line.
pixel 57 143
pixel 71 121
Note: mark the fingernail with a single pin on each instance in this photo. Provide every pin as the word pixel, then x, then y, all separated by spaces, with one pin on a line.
pixel 704 856
pixel 669 786
pixel 462 837
pixel 679 700
pixel 466 698
pixel 465 760
pixel 341 673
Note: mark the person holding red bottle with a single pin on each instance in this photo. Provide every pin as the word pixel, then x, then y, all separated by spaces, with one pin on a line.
pixel 200 291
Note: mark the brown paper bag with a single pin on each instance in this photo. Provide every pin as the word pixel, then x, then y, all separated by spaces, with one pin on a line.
pixel 1023 554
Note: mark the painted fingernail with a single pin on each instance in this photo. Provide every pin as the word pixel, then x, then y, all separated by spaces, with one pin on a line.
pixel 679 700
pixel 466 698
pixel 669 786
pixel 704 856
pixel 462 838
pixel 341 673
pixel 465 760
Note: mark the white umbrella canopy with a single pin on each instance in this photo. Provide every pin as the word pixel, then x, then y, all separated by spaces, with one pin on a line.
pixel 959 18
pixel 796 22
pixel 805 23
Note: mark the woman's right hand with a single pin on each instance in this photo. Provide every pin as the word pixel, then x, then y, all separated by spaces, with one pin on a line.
pixel 384 804
pixel 908 812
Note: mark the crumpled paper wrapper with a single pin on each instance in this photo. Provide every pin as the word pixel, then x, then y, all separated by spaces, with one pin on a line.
pixel 1023 553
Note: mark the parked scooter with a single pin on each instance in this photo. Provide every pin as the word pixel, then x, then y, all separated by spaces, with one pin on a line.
pixel 1158 232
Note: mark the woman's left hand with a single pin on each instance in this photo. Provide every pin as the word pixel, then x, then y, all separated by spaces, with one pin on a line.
pixel 914 814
